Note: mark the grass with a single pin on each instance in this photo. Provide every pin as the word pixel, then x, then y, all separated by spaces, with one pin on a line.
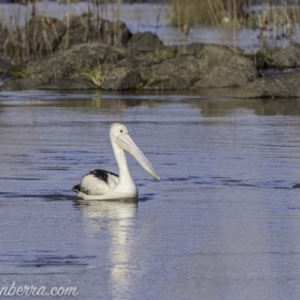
pixel 19 73
pixel 94 74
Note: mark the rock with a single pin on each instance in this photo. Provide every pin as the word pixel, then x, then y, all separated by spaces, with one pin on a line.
pixel 288 57
pixel 114 33
pixel 20 84
pixel 23 2
pixel 144 42
pixel 115 68
pixel 193 48
pixel 40 36
pixel 69 84
pixel 63 69
pixel 77 31
pixel 4 34
pixel 283 86
pixel 82 29
pixel 190 49
pixel 5 66
pixel 215 66
pixel 174 73
pixel 263 58
pixel 222 67
pixel 121 78
pixel 67 2
pixel 29 84
pixel 69 63
pixel 166 82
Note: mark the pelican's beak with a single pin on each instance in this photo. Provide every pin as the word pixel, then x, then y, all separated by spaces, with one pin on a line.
pixel 125 142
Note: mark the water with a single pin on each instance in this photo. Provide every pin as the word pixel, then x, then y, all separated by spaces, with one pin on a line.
pixel 223 223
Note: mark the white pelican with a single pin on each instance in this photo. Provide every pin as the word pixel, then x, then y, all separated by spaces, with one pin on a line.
pixel 103 185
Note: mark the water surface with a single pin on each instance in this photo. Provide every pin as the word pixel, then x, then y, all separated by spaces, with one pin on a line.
pixel 223 223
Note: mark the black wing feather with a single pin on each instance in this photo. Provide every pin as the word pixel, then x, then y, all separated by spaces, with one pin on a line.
pixel 101 174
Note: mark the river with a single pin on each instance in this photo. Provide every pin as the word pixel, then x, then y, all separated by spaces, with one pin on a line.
pixel 223 222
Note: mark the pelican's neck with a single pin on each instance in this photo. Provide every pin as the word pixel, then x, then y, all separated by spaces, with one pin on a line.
pixel 124 172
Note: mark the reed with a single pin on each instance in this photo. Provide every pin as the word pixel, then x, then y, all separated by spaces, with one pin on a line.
pixel 275 20
pixel 43 36
pixel 205 12
pixel 276 23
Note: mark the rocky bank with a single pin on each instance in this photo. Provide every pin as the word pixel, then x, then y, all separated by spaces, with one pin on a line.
pixel 80 53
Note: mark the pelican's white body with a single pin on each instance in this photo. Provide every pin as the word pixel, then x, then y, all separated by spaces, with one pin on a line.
pixel 103 185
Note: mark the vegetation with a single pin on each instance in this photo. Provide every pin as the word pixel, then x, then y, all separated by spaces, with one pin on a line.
pixel 33 33
pixel 233 13
pixel 94 74
pixel 19 73
pixel 42 35
pixel 205 12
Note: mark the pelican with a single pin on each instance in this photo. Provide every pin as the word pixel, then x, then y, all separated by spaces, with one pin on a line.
pixel 104 185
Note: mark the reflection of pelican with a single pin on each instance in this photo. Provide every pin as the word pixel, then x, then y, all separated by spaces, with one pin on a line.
pixel 100 184
pixel 110 225
pixel 119 209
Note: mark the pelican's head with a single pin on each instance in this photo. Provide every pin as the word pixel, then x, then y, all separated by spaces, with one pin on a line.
pixel 116 130
pixel 120 136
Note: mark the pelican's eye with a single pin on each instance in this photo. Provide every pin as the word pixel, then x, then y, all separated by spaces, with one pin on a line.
pixel 121 130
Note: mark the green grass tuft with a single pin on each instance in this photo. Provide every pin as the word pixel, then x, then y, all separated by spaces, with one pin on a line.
pixel 19 73
pixel 95 74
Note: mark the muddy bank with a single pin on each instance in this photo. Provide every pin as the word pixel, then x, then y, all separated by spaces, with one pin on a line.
pixel 80 53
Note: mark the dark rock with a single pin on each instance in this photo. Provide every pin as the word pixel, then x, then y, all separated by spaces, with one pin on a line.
pixel 82 29
pixel 114 33
pixel 5 66
pixel 20 84
pixel 263 58
pixel 69 63
pixel 215 66
pixel 121 78
pixel 29 84
pixel 296 186
pixel 70 84
pixel 286 85
pixel 288 57
pixel 23 2
pixel 115 68
pixel 40 36
pixel 175 73
pixel 4 34
pixel 67 2
pixel 77 31
pixel 95 63
pixel 222 67
pixel 144 42
pixel 191 49
pixel 167 82
pixel 43 34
